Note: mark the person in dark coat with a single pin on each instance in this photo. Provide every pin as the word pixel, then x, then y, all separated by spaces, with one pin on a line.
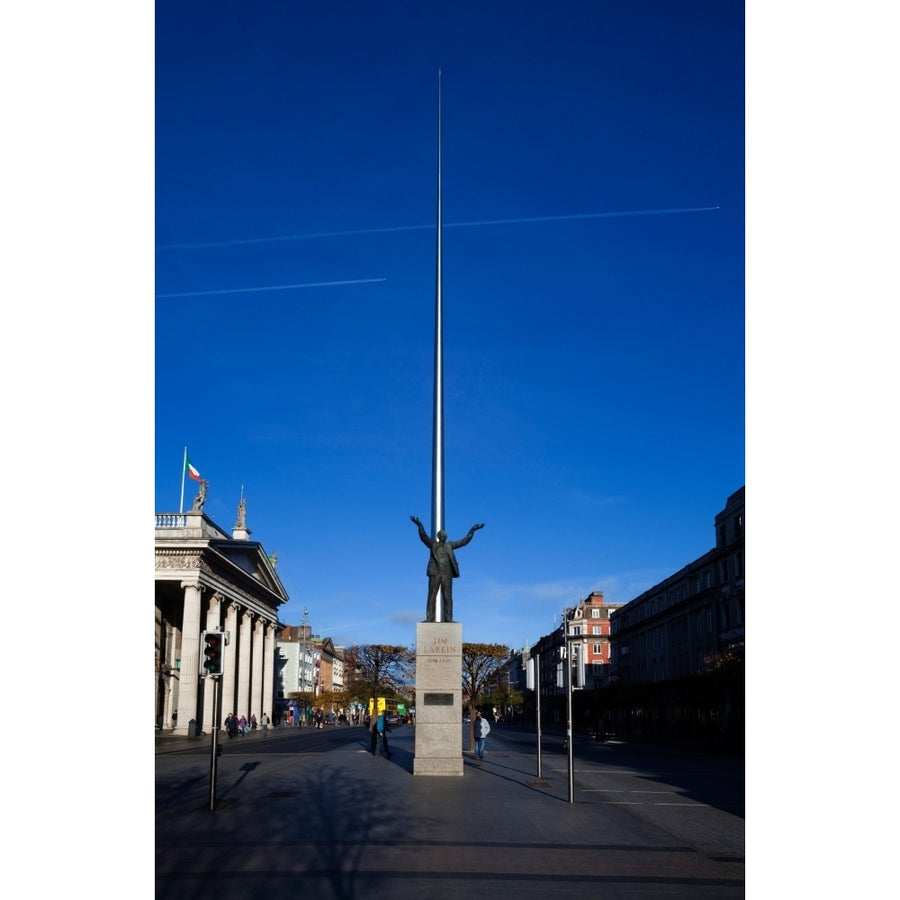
pixel 381 729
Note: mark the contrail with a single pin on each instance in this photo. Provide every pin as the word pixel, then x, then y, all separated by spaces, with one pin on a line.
pixel 292 237
pixel 358 231
pixel 607 215
pixel 272 287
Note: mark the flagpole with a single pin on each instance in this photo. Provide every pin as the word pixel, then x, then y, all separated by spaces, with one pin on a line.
pixel 183 470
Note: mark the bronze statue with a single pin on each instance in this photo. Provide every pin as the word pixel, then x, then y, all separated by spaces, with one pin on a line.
pixel 442 568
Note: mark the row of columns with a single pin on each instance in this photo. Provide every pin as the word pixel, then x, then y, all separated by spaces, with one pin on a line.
pixel 247 681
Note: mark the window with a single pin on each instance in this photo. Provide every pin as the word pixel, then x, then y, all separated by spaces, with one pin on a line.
pixel 595 613
pixel 598 649
pixel 596 630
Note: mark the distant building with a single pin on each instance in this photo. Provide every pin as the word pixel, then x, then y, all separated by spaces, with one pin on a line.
pixel 590 620
pixel 682 625
pixel 296 667
pixel 307 664
pixel 328 663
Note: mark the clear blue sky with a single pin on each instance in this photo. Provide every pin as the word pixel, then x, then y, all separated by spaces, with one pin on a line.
pixel 593 172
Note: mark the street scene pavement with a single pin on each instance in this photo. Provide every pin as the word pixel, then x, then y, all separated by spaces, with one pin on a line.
pixel 313 810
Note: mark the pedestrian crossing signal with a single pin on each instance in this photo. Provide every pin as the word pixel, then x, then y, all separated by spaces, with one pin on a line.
pixel 213 644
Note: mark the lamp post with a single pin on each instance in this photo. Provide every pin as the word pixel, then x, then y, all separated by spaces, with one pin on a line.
pixel 537 690
pixel 570 642
pixel 569 741
pixel 214 744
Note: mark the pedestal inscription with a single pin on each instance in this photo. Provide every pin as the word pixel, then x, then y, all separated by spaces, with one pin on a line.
pixel 438 699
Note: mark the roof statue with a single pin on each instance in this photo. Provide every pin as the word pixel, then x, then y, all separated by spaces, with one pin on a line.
pixel 200 499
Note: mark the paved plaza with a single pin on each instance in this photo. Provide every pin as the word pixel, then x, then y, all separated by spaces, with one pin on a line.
pixel 344 824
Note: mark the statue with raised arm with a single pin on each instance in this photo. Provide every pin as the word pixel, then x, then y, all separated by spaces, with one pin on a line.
pixel 442 568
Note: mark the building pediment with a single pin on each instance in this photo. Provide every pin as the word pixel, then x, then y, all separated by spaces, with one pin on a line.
pixel 249 557
pixel 193 546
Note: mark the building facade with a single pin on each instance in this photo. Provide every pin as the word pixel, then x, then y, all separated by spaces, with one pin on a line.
pixel 297 663
pixel 310 665
pixel 208 580
pixel 588 625
pixel 683 625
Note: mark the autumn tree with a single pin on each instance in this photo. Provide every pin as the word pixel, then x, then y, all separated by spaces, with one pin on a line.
pixel 506 698
pixel 379 670
pixel 305 701
pixel 480 663
pixel 332 700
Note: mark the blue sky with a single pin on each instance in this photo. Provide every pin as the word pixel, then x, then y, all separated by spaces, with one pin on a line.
pixel 593 252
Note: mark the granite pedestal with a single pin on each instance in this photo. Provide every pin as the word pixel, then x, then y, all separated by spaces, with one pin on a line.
pixel 438 699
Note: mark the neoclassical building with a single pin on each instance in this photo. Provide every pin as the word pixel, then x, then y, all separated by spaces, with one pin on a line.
pixel 207 580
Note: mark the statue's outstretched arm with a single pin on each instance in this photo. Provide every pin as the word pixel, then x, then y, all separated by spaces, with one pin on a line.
pixel 468 537
pixel 423 535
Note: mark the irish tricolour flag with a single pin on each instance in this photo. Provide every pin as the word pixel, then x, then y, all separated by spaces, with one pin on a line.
pixel 191 470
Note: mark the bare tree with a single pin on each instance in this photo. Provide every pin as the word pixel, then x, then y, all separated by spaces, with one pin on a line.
pixel 378 670
pixel 480 663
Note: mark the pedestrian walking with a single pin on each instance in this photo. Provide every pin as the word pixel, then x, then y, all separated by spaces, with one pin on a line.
pixel 253 722
pixel 373 734
pixel 264 721
pixel 242 724
pixel 482 730
pixel 382 728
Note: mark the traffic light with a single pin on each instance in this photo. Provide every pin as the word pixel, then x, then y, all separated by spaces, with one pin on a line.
pixel 213 646
pixel 579 653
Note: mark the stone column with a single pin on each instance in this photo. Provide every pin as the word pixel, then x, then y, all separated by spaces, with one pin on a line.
pixel 171 682
pixel 229 677
pixel 245 648
pixel 212 624
pixel 256 697
pixel 190 662
pixel 269 669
